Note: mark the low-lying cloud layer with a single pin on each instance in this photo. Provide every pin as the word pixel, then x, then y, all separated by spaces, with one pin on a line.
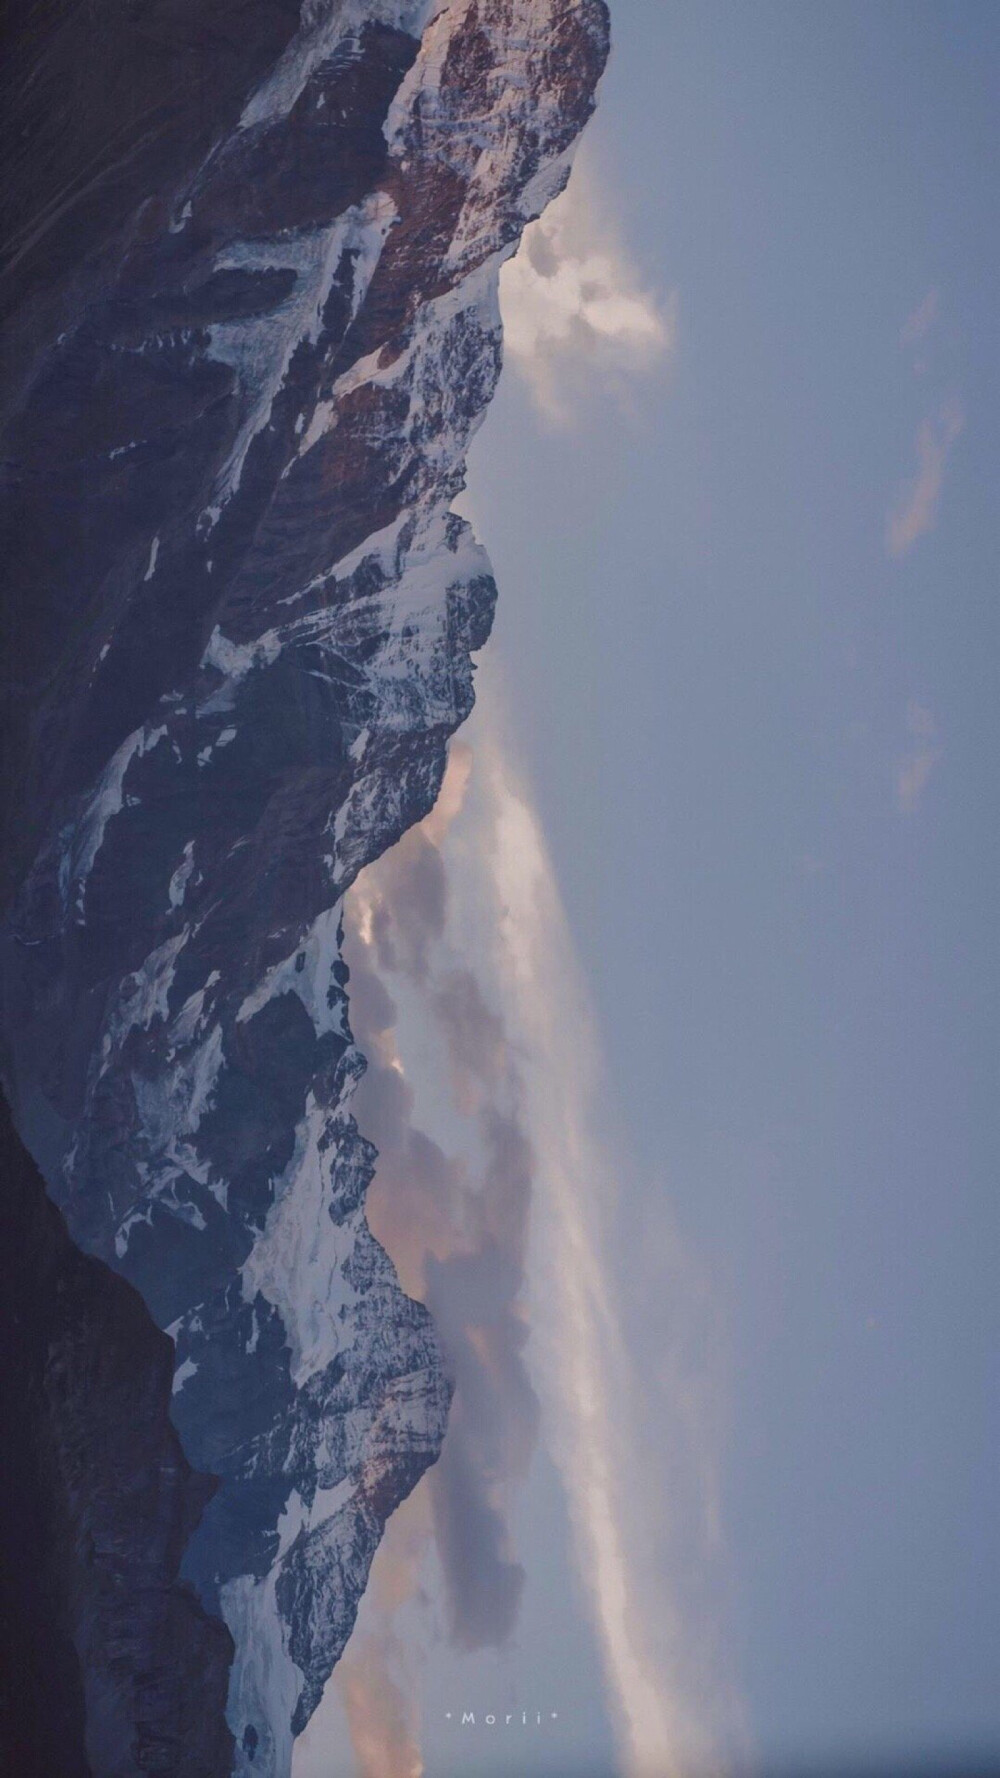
pixel 915 509
pixel 458 1241
pixel 459 947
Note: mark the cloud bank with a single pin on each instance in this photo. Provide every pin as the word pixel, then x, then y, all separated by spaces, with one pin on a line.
pixel 458 941
pixel 576 315
pixel 458 1241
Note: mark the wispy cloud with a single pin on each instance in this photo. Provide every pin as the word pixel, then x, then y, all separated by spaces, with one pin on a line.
pixel 916 508
pixel 626 1521
pixel 513 1254
pixel 914 768
pixel 918 325
pixel 576 314
pixel 379 1709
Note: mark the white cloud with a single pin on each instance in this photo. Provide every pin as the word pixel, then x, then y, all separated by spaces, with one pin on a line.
pixel 916 508
pixel 576 315
pixel 635 1543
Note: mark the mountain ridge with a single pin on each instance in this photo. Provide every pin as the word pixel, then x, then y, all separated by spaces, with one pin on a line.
pixel 242 622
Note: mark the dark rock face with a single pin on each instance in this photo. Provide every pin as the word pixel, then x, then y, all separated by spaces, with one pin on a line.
pixel 110 1664
pixel 239 631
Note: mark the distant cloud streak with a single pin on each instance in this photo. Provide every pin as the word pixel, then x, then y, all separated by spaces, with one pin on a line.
pixel 917 326
pixel 916 509
pixel 914 769
pixel 594 1401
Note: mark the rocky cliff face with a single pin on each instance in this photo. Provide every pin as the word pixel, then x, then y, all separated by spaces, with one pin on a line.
pixel 250 348
pixel 109 1665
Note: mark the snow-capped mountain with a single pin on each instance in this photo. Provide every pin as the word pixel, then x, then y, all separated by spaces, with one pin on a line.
pixel 254 324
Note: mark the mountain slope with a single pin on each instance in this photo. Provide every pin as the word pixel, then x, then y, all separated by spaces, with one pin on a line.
pixel 240 624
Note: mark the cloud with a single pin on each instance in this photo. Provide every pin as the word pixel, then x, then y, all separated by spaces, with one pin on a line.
pixel 575 313
pixel 475 1038
pixel 916 509
pixel 483 1584
pixel 917 326
pixel 457 1237
pixel 643 1502
pixel 379 1711
pixel 375 1676
pixel 914 769
pixel 516 1246
pixel 412 884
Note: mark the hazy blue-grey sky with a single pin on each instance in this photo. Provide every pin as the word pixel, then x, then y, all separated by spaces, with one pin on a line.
pixel 740 490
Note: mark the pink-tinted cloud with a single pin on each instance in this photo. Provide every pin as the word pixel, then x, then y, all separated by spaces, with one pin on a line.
pixel 916 508
pixel 374 1676
pixel 379 1711
pixel 917 326
pixel 467 974
pixel 457 1237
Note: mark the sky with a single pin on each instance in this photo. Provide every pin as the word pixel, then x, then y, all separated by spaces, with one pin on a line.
pixel 681 1007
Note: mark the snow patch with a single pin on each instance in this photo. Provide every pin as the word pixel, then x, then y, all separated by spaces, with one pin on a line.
pixel 145 994
pixel 298 1262
pixel 307 972
pixel 264 1683
pixel 182 1373
pixel 260 349
pixel 328 1501
pixel 107 801
pixel 327 26
pixel 179 880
